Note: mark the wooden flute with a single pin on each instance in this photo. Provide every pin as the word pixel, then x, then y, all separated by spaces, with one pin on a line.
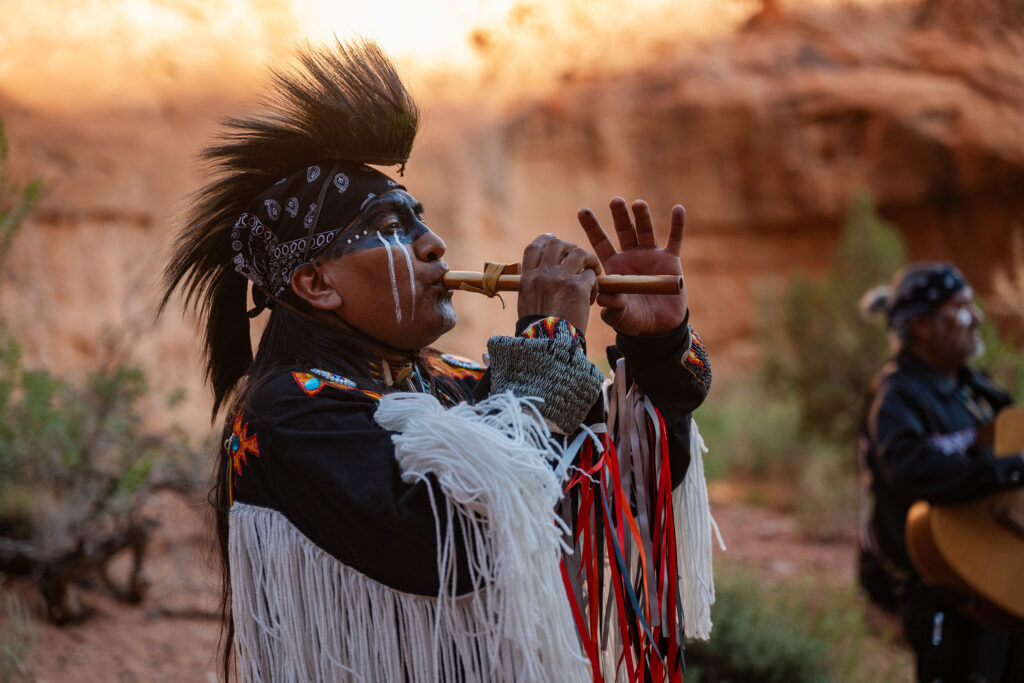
pixel 606 284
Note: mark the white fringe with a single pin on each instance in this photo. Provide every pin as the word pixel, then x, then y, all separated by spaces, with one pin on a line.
pixel 694 526
pixel 494 462
pixel 301 615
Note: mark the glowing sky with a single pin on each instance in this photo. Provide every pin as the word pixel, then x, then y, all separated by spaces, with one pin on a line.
pixel 78 52
pixel 430 30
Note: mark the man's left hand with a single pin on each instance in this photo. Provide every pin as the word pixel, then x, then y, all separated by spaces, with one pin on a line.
pixel 638 314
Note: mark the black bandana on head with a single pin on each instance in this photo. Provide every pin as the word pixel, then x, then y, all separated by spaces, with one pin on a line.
pixel 922 289
pixel 294 220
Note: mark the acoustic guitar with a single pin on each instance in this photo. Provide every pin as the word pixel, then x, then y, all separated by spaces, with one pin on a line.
pixel 976 549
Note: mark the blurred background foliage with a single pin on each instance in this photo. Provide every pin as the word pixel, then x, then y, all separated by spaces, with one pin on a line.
pixel 786 436
pixel 17 637
pixel 78 458
pixel 788 432
pixel 797 631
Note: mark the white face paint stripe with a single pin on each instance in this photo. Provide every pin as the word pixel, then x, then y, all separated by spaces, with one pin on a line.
pixel 963 317
pixel 391 271
pixel 412 280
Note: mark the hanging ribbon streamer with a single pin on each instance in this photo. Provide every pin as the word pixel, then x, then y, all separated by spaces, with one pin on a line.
pixel 625 530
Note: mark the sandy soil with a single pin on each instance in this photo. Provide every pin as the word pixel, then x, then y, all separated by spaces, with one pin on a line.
pixel 173 635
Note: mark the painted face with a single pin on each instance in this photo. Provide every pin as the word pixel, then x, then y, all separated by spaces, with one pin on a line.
pixel 957 327
pixel 393 218
pixel 389 274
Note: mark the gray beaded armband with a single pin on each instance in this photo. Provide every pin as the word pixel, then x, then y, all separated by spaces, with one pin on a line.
pixel 549 364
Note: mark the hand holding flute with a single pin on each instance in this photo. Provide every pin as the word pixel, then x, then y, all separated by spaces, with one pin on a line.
pixel 642 291
pixel 508 281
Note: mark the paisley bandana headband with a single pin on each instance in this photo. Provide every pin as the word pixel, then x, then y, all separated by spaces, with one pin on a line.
pixel 922 292
pixel 294 220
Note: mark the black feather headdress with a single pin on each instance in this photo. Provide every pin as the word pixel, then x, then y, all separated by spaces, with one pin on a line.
pixel 344 103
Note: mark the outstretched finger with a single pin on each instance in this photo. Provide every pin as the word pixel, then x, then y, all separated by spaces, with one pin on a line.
pixel 603 246
pixel 644 225
pixel 677 226
pixel 624 229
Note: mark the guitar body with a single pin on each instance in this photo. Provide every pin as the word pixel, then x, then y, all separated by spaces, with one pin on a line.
pixel 977 548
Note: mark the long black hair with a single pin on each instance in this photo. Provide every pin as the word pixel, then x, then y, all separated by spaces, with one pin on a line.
pixel 343 102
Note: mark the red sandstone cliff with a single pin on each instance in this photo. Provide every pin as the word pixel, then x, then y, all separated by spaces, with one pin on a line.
pixel 766 136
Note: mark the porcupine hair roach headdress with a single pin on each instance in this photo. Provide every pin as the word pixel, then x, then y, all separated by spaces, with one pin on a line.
pixel 345 104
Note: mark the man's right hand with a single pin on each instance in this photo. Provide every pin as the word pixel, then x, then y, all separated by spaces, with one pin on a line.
pixel 559 279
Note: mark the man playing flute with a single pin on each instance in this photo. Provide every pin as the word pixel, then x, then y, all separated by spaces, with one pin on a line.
pixel 387 512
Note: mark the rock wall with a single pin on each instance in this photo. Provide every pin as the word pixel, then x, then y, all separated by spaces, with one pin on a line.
pixel 765 136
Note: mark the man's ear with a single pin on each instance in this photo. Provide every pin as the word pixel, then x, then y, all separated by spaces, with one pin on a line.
pixel 310 285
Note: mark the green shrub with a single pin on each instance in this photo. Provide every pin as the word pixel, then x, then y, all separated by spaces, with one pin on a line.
pixel 821 351
pixel 1002 356
pixel 77 460
pixel 751 433
pixel 755 439
pixel 793 425
pixel 1003 360
pixel 789 632
pixel 15 202
pixel 17 638
pixel 59 435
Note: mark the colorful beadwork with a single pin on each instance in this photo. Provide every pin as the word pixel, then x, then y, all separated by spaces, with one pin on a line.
pixel 447 400
pixel 456 367
pixel 549 326
pixel 332 377
pixel 240 444
pixel 312 384
pixel 463 363
pixel 696 360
